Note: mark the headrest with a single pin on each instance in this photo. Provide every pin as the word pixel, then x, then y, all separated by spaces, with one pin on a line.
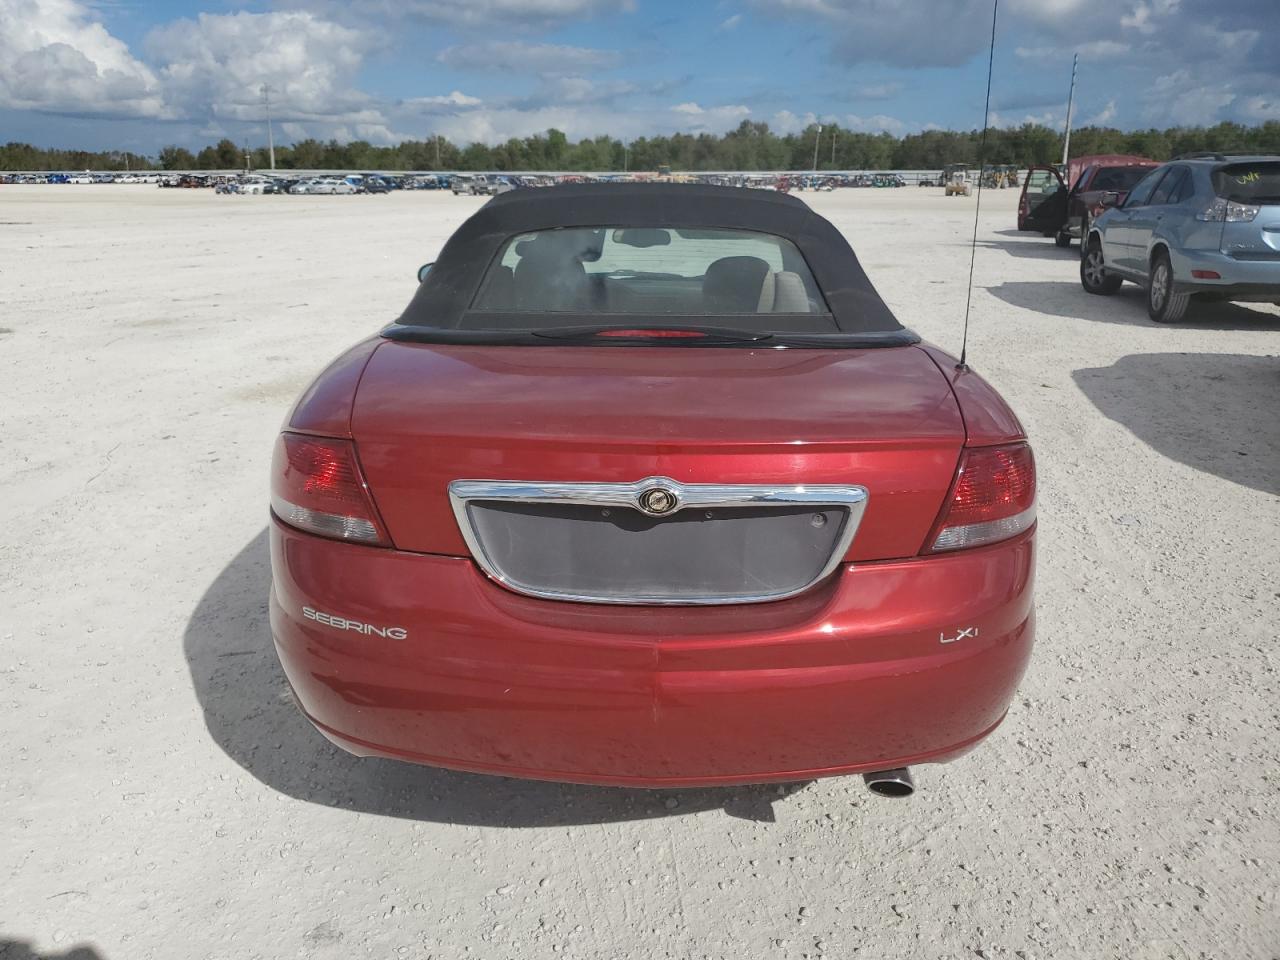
pixel 733 284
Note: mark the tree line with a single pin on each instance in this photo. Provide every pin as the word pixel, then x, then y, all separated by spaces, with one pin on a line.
pixel 751 146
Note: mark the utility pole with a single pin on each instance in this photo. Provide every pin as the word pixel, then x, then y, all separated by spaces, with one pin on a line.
pixel 624 156
pixel 271 140
pixel 834 131
pixel 437 140
pixel 1071 96
pixel 817 138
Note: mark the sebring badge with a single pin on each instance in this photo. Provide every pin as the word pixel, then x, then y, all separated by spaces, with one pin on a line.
pixel 658 501
pixel 343 623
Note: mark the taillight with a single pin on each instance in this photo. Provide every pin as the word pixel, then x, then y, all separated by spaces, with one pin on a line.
pixel 317 486
pixel 993 498
pixel 1229 211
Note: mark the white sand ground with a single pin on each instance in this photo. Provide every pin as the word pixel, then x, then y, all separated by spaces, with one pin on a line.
pixel 162 798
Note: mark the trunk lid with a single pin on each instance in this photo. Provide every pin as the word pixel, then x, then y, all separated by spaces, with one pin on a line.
pixel 1254 184
pixel 428 414
pixel 1256 239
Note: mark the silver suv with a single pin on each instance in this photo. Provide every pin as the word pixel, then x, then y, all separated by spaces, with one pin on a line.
pixel 1206 226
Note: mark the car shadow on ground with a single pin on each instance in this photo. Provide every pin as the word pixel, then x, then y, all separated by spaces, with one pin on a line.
pixel 1030 246
pixel 1128 306
pixel 22 950
pixel 250 714
pixel 1163 399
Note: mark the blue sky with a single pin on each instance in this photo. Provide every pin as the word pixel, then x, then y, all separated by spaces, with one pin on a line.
pixel 137 75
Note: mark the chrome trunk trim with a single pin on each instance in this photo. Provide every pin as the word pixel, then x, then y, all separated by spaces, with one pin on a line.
pixel 635 496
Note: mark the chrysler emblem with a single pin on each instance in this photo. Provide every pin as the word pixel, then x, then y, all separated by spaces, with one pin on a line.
pixel 658 501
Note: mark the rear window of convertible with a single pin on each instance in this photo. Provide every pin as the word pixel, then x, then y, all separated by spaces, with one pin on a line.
pixel 649 271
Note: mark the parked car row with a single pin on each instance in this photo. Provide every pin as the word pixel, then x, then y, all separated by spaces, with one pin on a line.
pixel 260 182
pixel 355 183
pixel 1202 227
pixel 484 184
pixel 494 184
pixel 85 177
pixel 479 184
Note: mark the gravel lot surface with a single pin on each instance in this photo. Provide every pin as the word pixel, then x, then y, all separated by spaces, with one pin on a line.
pixel 163 799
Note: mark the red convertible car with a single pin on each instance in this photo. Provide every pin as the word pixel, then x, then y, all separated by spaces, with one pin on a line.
pixel 648 486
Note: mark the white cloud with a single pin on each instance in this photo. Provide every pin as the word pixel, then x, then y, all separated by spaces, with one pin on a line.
pixel 908 33
pixel 1139 20
pixel 1054 119
pixel 491 14
pixel 1145 15
pixel 700 119
pixel 1093 50
pixel 495 125
pixel 218 63
pixel 1262 107
pixel 521 57
pixel 457 99
pixel 880 123
pixel 55 57
pixel 1047 11
pixel 784 122
pixel 563 90
pixel 1184 97
pixel 1101 49
pixel 1230 45
pixel 377 133
pixel 1103 116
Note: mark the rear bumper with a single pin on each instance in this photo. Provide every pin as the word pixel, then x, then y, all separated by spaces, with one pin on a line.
pixel 848 677
pixel 1240 279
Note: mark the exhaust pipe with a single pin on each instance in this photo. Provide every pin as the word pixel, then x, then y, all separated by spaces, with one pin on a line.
pixel 891 783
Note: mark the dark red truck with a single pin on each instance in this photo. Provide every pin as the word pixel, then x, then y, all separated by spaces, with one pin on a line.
pixel 1062 209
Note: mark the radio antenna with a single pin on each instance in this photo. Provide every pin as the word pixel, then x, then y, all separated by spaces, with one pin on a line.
pixel 977 205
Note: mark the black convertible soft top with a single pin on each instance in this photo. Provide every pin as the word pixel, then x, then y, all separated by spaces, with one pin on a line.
pixel 445 297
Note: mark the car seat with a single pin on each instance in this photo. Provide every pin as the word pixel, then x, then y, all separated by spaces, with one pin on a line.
pixel 549 276
pixel 734 285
